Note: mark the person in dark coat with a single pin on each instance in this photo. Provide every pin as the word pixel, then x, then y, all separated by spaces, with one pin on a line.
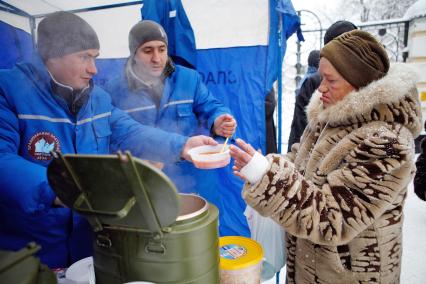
pixel 420 178
pixel 311 83
pixel 271 133
pixel 303 95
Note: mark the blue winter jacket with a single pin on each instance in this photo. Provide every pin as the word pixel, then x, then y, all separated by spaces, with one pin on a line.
pixel 33 122
pixel 187 107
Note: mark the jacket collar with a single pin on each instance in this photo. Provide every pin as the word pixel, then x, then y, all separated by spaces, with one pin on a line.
pixel 136 83
pixel 75 99
pixel 37 72
pixel 399 82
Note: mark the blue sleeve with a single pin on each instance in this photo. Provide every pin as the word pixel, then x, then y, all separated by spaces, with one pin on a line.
pixel 206 106
pixel 113 88
pixel 144 141
pixel 23 184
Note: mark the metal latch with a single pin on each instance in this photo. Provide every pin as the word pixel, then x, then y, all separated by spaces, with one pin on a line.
pixel 103 241
pixel 155 245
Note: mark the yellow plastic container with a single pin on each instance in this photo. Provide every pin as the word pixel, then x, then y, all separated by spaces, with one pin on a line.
pixel 240 260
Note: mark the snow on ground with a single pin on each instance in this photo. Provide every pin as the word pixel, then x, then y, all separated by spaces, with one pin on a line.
pixel 414 243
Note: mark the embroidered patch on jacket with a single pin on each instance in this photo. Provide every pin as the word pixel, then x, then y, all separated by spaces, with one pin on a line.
pixel 41 144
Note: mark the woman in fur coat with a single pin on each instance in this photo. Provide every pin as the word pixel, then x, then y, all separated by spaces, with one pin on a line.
pixel 420 178
pixel 340 194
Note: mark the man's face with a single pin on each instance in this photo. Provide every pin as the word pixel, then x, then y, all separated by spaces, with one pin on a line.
pixel 151 57
pixel 75 69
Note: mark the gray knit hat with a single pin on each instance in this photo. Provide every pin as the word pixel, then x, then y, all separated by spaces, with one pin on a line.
pixel 62 33
pixel 143 32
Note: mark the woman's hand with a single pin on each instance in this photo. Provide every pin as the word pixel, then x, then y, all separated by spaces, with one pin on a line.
pixel 242 156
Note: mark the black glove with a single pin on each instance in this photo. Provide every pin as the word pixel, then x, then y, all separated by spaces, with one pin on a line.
pixel 62 182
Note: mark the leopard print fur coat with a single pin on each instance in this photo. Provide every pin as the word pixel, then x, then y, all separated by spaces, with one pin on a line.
pixel 340 193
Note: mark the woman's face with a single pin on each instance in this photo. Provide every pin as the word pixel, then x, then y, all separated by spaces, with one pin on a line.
pixel 333 86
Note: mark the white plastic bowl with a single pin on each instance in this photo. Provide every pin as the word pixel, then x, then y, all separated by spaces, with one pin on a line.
pixel 82 271
pixel 210 157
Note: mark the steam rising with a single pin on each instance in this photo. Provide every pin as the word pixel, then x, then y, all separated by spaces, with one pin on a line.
pixel 141 80
pixel 144 84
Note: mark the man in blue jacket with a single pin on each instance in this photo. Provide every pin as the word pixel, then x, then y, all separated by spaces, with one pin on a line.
pixel 157 92
pixel 50 104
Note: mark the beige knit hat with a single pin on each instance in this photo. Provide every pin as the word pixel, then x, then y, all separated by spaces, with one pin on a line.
pixel 358 57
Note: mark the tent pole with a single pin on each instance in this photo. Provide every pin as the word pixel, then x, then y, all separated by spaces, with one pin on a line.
pixel 139 2
pixel 15 10
pixel 280 75
pixel 33 30
pixel 12 9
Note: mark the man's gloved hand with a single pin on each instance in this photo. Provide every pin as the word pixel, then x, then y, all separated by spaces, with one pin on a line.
pixel 62 184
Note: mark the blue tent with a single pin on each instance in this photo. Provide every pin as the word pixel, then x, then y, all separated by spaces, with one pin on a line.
pixel 240 74
pixel 16 45
pixel 237 46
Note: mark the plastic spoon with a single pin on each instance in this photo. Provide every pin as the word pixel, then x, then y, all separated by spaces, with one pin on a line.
pixel 224 145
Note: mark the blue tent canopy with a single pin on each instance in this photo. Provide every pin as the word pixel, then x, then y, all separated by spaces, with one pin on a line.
pixel 17 45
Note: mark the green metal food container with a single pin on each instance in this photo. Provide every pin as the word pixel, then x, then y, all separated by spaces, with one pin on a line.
pixel 144 230
pixel 24 267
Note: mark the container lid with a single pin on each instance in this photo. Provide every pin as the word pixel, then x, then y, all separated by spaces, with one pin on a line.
pixel 239 252
pixel 115 190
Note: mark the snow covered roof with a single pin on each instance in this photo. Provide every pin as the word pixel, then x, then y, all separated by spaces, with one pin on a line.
pixel 417 10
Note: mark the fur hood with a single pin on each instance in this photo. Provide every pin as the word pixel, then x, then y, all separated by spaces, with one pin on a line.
pixel 396 87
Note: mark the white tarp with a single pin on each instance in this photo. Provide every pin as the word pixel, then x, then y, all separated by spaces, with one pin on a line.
pixel 38 7
pixel 211 23
pixel 111 25
pixel 241 23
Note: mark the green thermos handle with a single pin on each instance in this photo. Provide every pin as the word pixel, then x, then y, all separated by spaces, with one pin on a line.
pixel 99 213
